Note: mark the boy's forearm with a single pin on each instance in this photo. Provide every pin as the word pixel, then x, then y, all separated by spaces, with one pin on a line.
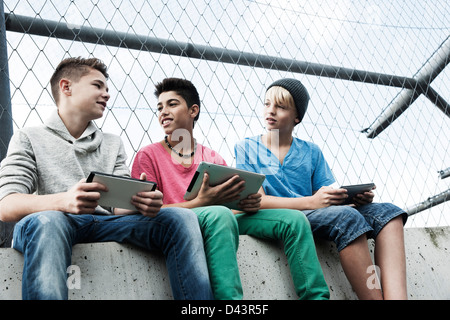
pixel 272 202
pixel 187 204
pixel 16 206
pixel 119 211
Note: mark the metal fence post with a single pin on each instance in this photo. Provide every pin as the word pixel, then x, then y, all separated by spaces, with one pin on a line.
pixel 6 128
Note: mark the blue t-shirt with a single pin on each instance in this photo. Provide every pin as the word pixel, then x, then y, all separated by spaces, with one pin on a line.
pixel 304 169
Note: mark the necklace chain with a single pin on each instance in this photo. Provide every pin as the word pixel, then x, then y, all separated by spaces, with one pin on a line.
pixel 179 153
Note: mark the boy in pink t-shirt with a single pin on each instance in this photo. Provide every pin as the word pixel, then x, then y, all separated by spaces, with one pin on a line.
pixel 172 163
pixel 171 176
pixel 163 162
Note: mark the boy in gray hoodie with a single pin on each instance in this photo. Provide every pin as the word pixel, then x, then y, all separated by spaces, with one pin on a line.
pixel 43 187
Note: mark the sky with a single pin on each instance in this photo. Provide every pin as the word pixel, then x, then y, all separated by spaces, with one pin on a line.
pixel 395 38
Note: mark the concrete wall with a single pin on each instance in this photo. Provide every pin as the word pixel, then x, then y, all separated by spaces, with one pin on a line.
pixel 115 271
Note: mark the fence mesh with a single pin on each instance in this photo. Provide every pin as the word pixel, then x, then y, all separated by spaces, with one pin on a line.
pixel 395 38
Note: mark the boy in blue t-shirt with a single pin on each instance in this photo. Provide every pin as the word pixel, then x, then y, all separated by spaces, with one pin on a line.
pixel 298 177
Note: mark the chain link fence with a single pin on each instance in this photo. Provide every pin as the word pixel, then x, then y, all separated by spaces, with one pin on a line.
pixel 376 73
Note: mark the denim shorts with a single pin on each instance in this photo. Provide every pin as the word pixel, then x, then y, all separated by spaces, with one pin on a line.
pixel 343 224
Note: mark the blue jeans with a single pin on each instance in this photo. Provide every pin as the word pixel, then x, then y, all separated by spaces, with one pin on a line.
pixel 46 239
pixel 343 224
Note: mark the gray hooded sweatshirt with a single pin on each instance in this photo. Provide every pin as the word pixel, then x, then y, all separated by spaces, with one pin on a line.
pixel 46 159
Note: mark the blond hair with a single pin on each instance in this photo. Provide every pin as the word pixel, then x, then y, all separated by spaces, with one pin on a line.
pixel 280 96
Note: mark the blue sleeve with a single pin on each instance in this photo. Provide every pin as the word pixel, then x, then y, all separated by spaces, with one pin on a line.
pixel 322 174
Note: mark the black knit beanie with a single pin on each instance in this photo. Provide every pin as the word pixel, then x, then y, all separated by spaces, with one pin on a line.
pixel 297 91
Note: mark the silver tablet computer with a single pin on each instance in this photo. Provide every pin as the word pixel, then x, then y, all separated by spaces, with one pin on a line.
pixel 353 190
pixel 120 189
pixel 219 174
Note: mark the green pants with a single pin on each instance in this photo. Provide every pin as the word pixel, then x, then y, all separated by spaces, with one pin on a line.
pixel 293 229
pixel 221 231
pixel 221 239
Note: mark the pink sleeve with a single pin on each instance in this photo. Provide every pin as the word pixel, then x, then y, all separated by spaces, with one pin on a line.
pixel 142 164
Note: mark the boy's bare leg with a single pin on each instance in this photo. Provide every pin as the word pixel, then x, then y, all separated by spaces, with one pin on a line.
pixel 356 261
pixel 390 257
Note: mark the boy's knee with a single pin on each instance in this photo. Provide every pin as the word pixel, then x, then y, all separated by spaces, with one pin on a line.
pixel 222 214
pixel 47 229
pixel 220 217
pixel 184 220
pixel 295 218
pixel 52 220
pixel 179 214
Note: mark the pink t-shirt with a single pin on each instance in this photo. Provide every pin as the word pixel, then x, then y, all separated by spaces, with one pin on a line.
pixel 172 178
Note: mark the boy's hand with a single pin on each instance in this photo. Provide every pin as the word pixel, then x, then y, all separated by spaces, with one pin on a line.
pixel 82 197
pixel 251 204
pixel 364 198
pixel 328 196
pixel 222 193
pixel 148 203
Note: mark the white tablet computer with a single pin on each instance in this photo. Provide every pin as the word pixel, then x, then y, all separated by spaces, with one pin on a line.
pixel 219 174
pixel 353 190
pixel 120 189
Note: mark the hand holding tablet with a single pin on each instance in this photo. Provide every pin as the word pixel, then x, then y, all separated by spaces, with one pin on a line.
pixel 218 174
pixel 120 189
pixel 353 190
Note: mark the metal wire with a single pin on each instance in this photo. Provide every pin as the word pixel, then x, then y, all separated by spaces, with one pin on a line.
pixel 356 58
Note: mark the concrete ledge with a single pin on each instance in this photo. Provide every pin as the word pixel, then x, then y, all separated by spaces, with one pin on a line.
pixel 115 271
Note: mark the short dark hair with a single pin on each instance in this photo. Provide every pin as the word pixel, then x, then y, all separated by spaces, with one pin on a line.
pixel 74 69
pixel 183 88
